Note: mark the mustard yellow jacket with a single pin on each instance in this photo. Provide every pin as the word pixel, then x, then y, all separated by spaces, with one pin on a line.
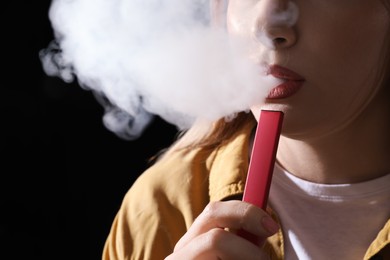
pixel 164 201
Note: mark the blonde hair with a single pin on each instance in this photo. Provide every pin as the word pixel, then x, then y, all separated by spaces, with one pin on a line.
pixel 209 135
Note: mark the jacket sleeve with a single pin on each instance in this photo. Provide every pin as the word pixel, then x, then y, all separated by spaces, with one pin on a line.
pixel 159 208
pixel 147 225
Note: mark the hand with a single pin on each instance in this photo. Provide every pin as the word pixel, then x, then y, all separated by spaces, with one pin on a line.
pixel 213 235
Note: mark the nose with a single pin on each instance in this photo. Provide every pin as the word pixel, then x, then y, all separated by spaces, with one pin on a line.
pixel 274 25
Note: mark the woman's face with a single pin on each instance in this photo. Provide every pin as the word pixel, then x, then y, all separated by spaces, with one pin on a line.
pixel 335 45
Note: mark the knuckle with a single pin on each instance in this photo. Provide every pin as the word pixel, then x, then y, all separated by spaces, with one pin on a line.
pixel 214 238
pixel 212 208
pixel 247 211
pixel 247 214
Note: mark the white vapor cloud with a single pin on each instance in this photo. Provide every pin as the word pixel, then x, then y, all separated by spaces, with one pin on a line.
pixel 154 57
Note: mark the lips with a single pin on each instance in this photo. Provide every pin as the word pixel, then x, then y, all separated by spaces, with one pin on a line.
pixel 292 82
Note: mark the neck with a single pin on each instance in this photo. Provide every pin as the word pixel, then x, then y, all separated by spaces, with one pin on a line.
pixel 358 152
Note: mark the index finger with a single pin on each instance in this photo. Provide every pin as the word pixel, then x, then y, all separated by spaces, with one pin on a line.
pixel 233 215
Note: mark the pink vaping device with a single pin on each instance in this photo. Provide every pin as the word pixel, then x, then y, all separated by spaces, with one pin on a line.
pixel 263 157
pixel 262 162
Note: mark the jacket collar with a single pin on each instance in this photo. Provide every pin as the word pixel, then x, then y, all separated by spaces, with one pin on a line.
pixel 381 241
pixel 229 165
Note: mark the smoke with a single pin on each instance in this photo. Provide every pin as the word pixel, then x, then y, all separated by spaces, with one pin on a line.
pixel 143 58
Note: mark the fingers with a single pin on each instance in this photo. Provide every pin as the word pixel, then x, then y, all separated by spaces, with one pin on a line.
pixel 218 244
pixel 232 215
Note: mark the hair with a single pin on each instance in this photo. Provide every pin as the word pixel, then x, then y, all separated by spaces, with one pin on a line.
pixel 208 136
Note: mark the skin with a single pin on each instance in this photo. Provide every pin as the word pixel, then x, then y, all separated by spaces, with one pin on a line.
pixel 341 104
pixel 330 132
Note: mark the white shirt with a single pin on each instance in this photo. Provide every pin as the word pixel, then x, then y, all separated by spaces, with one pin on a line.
pixel 322 221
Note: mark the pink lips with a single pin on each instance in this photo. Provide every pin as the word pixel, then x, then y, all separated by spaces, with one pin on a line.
pixel 292 82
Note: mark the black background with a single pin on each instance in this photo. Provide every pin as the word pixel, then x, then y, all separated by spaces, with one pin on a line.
pixel 63 174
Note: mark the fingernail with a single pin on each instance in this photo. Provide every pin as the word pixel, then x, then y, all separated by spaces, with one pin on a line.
pixel 270 225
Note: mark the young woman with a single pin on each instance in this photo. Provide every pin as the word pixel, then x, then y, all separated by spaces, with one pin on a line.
pixel 330 190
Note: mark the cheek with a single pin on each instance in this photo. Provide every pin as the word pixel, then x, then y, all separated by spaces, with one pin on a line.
pixel 232 19
pixel 342 48
pixel 241 16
